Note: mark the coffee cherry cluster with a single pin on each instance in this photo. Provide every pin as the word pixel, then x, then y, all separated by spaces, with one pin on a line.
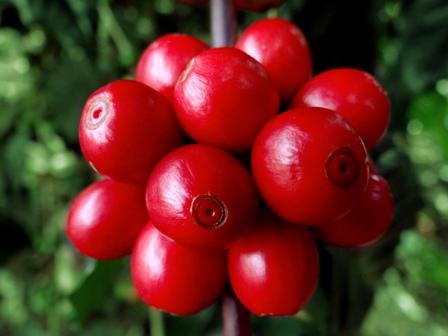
pixel 208 180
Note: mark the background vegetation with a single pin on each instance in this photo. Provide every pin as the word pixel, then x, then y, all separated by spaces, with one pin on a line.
pixel 54 53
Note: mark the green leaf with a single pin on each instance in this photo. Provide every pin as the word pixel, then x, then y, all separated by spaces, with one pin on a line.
pixel 92 294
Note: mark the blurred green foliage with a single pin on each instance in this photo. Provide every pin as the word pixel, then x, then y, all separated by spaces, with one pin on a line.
pixel 54 53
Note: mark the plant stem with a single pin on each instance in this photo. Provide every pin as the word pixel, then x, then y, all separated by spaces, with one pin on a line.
pixel 235 317
pixel 223 22
pixel 156 325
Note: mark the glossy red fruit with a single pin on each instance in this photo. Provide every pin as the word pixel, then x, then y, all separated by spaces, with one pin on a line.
pixel 280 46
pixel 125 128
pixel 353 93
pixel 274 269
pixel 105 219
pixel 257 5
pixel 367 222
pixel 174 278
pixel 224 97
pixel 309 165
pixel 164 60
pixel 202 196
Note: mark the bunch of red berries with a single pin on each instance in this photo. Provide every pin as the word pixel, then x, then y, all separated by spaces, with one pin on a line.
pixel 207 182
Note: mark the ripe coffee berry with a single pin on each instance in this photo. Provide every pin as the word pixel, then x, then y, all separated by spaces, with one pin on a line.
pixel 164 60
pixel 200 195
pixel 224 97
pixel 368 220
pixel 174 278
pixel 257 5
pixel 281 47
pixel 105 219
pixel 309 165
pixel 125 128
pixel 274 269
pixel 353 93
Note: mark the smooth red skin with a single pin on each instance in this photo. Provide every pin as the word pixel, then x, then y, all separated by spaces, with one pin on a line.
pixel 139 128
pixel 224 97
pixel 105 219
pixel 367 222
pixel 174 278
pixel 257 5
pixel 163 61
pixel 288 163
pixel 281 47
pixel 195 170
pixel 274 269
pixel 353 93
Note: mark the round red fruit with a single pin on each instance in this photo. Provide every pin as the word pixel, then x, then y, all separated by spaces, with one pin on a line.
pixel 274 269
pixel 367 222
pixel 200 195
pixel 353 93
pixel 257 5
pixel 105 219
pixel 224 97
pixel 309 165
pixel 174 278
pixel 125 128
pixel 164 60
pixel 283 50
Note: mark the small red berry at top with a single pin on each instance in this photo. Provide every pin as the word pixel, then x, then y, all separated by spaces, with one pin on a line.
pixel 281 47
pixel 355 95
pixel 224 97
pixel 163 61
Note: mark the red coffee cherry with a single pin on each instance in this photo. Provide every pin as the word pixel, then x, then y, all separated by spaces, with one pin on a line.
pixel 105 219
pixel 309 165
pixel 367 222
pixel 125 128
pixel 274 269
pixel 353 93
pixel 175 278
pixel 224 97
pixel 164 60
pixel 200 195
pixel 257 5
pixel 280 46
